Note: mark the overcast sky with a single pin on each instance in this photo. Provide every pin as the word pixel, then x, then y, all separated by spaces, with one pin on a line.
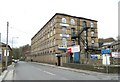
pixel 26 17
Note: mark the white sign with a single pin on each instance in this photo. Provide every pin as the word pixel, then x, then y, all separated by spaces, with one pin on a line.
pixel 5 52
pixel 61 24
pixel 116 54
pixel 62 47
pixel 106 59
pixel 75 48
pixel 64 35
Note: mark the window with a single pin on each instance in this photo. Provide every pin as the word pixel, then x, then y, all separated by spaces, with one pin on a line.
pixel 84 24
pixel 48 35
pixel 54 41
pixel 51 33
pixel 84 33
pixel 54 30
pixel 64 42
pixel 54 20
pixel 91 24
pixel 51 24
pixel 73 42
pixel 92 33
pixel 63 30
pixel 63 20
pixel 72 22
pixel 93 41
pixel 51 42
pixel 72 31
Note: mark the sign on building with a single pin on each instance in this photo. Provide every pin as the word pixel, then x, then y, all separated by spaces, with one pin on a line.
pixel 105 51
pixel 106 59
pixel 74 49
pixel 115 54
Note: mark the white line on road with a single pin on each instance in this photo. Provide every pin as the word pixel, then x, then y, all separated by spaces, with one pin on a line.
pixel 48 72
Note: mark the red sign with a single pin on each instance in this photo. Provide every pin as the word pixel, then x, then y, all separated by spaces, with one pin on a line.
pixel 69 50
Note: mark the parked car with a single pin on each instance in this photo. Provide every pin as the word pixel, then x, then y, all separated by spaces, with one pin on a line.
pixel 14 60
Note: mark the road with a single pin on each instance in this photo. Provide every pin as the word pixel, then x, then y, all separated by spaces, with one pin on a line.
pixel 35 71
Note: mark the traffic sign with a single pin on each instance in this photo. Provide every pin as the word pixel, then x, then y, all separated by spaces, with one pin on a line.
pixel 105 51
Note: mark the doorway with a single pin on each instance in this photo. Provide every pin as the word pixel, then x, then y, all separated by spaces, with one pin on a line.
pixel 59 61
pixel 71 57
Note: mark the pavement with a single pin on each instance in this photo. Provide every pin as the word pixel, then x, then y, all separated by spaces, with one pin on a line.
pixel 8 74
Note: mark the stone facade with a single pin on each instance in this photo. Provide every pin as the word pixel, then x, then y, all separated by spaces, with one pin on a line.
pixel 50 42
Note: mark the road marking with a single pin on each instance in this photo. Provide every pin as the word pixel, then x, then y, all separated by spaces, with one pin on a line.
pixel 48 72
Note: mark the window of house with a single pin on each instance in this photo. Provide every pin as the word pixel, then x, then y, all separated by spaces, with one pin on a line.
pixel 72 21
pixel 64 42
pixel 51 33
pixel 72 31
pixel 51 24
pixel 54 42
pixel 73 42
pixel 91 24
pixel 63 20
pixel 54 20
pixel 84 24
pixel 54 30
pixel 51 42
pixel 48 35
pixel 92 33
pixel 84 33
pixel 63 30
pixel 93 41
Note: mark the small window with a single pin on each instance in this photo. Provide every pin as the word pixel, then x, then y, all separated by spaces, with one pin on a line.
pixel 93 41
pixel 84 24
pixel 51 24
pixel 48 35
pixel 92 24
pixel 51 42
pixel 54 30
pixel 63 20
pixel 54 20
pixel 92 33
pixel 84 33
pixel 54 41
pixel 63 30
pixel 51 33
pixel 64 42
pixel 72 21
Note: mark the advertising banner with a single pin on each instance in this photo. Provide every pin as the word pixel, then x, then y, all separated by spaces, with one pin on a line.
pixel 106 59
pixel 115 54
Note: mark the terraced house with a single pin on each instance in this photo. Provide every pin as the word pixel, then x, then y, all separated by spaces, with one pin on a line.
pixel 62 32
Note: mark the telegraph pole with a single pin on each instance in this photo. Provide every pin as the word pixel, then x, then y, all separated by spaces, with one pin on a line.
pixel 6 64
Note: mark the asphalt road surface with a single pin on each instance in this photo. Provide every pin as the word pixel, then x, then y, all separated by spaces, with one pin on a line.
pixel 34 71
